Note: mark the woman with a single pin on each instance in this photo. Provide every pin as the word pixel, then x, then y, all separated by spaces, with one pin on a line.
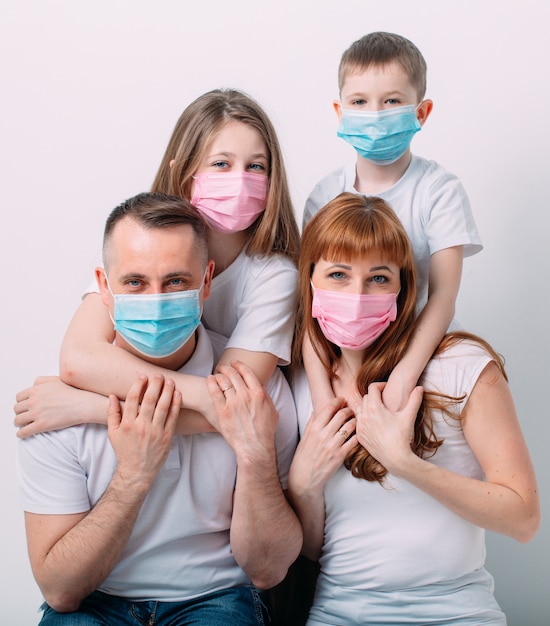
pixel 394 505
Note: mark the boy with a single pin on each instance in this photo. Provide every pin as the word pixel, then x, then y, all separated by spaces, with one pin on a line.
pixel 382 83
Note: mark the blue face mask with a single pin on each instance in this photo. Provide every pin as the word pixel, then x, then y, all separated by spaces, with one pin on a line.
pixel 157 324
pixel 380 136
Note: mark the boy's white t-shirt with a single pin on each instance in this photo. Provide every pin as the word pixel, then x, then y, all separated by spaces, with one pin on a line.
pixel 431 204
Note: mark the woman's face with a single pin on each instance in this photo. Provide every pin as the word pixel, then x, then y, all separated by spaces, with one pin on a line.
pixel 363 275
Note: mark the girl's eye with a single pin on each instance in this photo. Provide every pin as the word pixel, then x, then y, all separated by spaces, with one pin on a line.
pixel 220 164
pixel 257 167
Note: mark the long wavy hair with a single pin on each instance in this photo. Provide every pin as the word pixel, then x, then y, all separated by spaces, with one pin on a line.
pixel 276 230
pixel 349 227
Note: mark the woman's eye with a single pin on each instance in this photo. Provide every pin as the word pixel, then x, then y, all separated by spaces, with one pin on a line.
pixel 337 275
pixel 379 279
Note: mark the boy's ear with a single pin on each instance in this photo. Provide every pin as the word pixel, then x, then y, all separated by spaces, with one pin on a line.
pixel 338 108
pixel 102 284
pixel 424 111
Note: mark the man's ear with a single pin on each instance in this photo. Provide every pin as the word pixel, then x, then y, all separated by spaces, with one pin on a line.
pixel 209 275
pixel 104 292
pixel 337 105
pixel 424 110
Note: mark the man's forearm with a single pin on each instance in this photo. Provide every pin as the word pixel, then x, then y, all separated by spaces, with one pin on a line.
pixel 266 536
pixel 84 556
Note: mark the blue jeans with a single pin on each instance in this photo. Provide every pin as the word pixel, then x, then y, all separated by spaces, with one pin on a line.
pixel 240 606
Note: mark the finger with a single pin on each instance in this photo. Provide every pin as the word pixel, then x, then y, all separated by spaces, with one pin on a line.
pixel 215 391
pixel 415 400
pixel 235 379
pixel 133 398
pixel 346 429
pixel 164 403
pixel 247 374
pixel 151 396
pixel 21 407
pixel 114 415
pixel 23 395
pixel 325 416
pixel 223 381
pixel 41 380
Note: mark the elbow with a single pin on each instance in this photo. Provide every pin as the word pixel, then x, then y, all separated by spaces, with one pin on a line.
pixel 61 601
pixel 528 529
pixel 68 373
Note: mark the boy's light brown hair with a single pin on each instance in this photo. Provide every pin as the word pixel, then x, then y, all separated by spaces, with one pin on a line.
pixel 379 49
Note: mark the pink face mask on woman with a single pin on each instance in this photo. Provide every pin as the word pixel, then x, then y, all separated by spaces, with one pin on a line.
pixel 352 320
pixel 230 201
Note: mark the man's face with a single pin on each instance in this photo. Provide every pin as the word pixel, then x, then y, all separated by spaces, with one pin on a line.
pixel 152 261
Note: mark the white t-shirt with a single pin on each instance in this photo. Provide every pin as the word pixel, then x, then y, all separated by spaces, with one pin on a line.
pixel 393 551
pixel 179 547
pixel 431 204
pixel 253 303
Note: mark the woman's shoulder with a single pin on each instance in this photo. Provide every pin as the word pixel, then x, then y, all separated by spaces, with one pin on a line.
pixel 455 369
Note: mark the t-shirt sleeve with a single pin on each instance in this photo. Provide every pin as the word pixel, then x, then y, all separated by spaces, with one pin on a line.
pixel 450 221
pixel 51 479
pixel 267 310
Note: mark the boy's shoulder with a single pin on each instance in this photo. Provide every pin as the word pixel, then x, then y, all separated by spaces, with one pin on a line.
pixel 331 185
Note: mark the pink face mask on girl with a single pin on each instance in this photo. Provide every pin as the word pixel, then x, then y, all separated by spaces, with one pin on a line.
pixel 351 320
pixel 230 201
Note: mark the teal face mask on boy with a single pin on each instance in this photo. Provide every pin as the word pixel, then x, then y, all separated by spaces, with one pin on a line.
pixel 157 324
pixel 380 136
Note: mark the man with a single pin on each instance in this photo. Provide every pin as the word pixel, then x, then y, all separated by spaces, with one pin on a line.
pixel 136 525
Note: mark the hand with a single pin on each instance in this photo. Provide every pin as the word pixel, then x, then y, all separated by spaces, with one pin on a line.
pixel 386 434
pixel 243 411
pixel 328 438
pixel 50 404
pixel 142 435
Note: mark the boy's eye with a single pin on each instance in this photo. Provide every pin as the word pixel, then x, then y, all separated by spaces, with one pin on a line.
pixel 359 102
pixel 392 101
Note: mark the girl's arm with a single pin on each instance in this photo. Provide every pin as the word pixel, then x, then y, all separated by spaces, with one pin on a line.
pixel 322 449
pixel 430 328
pixel 319 382
pixel 507 501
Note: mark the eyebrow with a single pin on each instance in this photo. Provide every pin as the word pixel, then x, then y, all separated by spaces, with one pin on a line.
pixel 376 268
pixel 257 155
pixel 134 276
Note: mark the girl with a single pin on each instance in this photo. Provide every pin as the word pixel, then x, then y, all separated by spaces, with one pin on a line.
pixel 225 158
pixel 394 504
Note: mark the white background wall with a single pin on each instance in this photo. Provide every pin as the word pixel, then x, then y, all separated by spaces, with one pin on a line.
pixel 90 94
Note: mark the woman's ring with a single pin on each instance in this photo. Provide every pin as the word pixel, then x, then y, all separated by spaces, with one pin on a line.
pixel 343 432
pixel 227 388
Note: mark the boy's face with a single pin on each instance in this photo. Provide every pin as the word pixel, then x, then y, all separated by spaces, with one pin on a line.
pixel 375 89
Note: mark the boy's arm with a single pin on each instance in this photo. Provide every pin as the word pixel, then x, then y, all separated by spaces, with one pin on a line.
pixel 319 383
pixel 71 555
pixel 430 327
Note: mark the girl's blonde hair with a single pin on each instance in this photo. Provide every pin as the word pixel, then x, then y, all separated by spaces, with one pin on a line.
pixel 276 231
pixel 353 226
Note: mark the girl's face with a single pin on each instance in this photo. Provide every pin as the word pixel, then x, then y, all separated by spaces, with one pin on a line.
pixel 236 148
pixel 365 275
